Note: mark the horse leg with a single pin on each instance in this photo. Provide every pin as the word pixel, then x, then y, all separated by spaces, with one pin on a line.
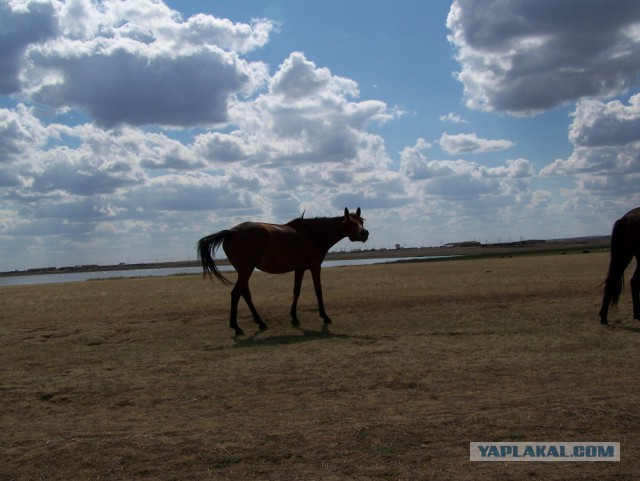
pixel 297 285
pixel 241 289
pixel 635 290
pixel 620 259
pixel 604 310
pixel 246 294
pixel 233 318
pixel 315 273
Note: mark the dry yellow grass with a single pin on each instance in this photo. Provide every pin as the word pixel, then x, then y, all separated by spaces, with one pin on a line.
pixel 142 379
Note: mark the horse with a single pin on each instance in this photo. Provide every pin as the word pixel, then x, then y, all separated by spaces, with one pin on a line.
pixel 625 244
pixel 297 246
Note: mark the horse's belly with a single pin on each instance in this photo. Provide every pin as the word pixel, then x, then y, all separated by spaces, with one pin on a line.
pixel 285 258
pixel 279 264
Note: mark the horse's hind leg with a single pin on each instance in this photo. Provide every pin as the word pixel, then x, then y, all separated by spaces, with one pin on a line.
pixel 606 302
pixel 256 317
pixel 241 289
pixel 635 290
pixel 233 318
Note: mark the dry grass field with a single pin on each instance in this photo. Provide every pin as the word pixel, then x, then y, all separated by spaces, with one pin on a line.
pixel 143 379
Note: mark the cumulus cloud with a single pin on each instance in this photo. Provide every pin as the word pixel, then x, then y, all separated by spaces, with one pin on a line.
pixel 471 143
pixel 265 145
pixel 605 160
pixel 77 173
pixel 298 144
pixel 525 57
pixel 461 178
pixel 120 86
pixel 20 132
pixel 606 139
pixel 452 118
pixel 598 124
pixel 307 115
pixel 460 197
pixel 139 63
pixel 23 24
pixel 183 193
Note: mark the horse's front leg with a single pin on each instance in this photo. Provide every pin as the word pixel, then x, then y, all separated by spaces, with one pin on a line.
pixel 297 286
pixel 315 273
pixel 635 292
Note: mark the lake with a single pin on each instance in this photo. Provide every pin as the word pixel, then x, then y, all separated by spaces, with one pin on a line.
pixel 87 276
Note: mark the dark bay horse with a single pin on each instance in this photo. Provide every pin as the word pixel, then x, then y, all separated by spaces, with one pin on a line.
pixel 625 245
pixel 296 246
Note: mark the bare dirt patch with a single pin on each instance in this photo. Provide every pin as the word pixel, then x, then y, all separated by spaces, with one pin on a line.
pixel 142 378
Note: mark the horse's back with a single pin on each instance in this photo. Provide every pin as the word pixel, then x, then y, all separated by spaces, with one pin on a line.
pixel 272 248
pixel 633 216
pixel 246 238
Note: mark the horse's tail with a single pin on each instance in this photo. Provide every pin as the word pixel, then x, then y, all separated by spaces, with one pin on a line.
pixel 206 248
pixel 620 258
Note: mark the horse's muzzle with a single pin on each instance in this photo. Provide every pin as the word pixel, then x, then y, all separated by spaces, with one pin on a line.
pixel 364 235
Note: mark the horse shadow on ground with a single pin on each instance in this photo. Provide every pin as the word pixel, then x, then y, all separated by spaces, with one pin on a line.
pixel 262 338
pixel 629 328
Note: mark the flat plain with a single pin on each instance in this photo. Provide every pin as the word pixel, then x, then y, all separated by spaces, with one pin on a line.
pixel 142 378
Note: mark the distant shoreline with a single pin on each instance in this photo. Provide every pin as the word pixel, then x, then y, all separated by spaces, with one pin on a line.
pixel 458 249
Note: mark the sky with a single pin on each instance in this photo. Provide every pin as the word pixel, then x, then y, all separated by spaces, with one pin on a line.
pixel 131 129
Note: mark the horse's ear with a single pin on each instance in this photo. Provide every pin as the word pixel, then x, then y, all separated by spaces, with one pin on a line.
pixel 346 213
pixel 358 212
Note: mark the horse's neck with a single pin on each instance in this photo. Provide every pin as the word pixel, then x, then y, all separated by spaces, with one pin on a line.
pixel 326 232
pixel 334 234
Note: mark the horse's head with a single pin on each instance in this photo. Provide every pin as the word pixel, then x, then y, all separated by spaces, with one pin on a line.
pixel 355 226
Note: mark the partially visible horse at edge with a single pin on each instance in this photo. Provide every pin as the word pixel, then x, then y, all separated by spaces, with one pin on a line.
pixel 299 245
pixel 625 245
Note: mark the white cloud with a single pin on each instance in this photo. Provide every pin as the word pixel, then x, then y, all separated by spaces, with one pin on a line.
pixel 80 173
pixel 299 138
pixel 605 161
pixel 307 116
pixel 463 200
pixel 464 179
pixel 139 63
pixel 20 132
pixel 606 138
pixel 299 78
pixel 23 24
pixel 471 143
pixel 284 155
pixel 183 193
pixel 525 57
pixel 598 124
pixel 452 118
pixel 180 91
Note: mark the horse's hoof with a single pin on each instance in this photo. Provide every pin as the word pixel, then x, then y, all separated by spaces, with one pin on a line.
pixel 262 326
pixel 295 323
pixel 239 332
pixel 327 320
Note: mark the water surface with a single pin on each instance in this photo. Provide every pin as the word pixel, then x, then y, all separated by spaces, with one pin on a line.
pixel 86 276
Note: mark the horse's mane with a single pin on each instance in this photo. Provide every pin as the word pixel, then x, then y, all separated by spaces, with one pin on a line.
pixel 301 221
